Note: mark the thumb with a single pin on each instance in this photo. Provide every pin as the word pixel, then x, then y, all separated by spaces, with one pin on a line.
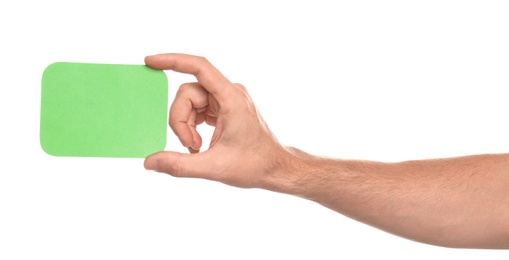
pixel 180 164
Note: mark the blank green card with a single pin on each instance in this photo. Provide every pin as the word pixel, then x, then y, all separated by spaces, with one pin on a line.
pixel 103 110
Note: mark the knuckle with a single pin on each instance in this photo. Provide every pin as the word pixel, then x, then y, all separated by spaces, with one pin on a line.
pixel 203 59
pixel 240 86
pixel 185 88
pixel 177 169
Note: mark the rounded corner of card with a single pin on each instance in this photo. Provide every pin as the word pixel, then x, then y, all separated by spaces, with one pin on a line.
pixel 50 67
pixel 47 150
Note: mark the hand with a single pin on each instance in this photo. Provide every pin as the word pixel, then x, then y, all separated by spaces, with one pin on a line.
pixel 242 152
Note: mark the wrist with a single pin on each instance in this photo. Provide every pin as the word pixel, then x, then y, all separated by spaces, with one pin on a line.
pixel 294 172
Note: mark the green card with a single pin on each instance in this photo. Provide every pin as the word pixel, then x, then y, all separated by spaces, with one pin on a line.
pixel 103 110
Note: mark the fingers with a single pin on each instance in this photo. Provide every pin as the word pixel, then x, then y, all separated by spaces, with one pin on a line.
pixel 187 112
pixel 197 140
pixel 208 76
pixel 179 164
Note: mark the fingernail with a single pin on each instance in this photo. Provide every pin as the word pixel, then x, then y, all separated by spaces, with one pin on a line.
pixel 152 165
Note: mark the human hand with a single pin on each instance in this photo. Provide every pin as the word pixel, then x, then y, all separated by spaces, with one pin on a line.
pixel 243 152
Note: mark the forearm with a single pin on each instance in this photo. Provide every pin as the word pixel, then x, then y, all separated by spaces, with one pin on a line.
pixel 456 202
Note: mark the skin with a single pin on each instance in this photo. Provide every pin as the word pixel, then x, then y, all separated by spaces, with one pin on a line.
pixel 458 202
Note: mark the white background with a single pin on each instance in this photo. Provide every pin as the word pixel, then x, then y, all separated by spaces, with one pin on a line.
pixel 377 80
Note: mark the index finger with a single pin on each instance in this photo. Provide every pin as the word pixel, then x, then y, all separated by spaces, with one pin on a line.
pixel 208 75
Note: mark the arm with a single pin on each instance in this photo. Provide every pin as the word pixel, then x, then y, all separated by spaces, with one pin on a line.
pixel 455 202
